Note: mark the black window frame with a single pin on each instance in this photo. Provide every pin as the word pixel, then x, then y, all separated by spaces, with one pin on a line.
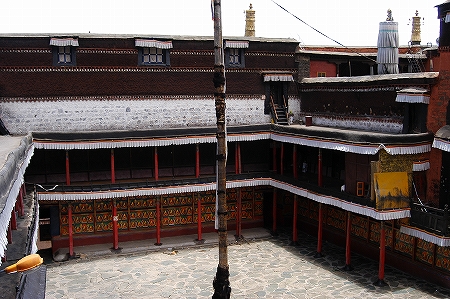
pixel 165 57
pixel 56 55
pixel 229 61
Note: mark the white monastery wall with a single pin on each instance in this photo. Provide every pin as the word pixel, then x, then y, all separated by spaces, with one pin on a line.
pixel 73 114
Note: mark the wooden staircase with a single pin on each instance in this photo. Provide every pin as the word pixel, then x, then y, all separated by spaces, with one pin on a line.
pixel 280 115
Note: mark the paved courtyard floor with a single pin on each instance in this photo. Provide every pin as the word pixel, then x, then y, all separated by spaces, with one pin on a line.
pixel 259 268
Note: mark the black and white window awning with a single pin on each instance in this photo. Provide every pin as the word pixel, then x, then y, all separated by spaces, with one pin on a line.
pixel 421 165
pixel 151 43
pixel 442 139
pixel 413 95
pixel 236 44
pixel 278 77
pixel 64 42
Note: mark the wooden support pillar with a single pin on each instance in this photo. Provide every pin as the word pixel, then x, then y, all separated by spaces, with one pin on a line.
pixel 348 266
pixel 197 160
pixel 274 213
pixel 294 223
pixel 274 156
pixel 115 222
pixel 199 239
pixel 13 221
pixel 155 157
pixel 319 232
pixel 9 234
pixel 70 223
pixel 380 282
pixel 158 221
pixel 238 234
pixel 113 170
pixel 67 169
pixel 319 169
pixel 282 159
pixel 19 201
pixel 237 158
pixel 294 161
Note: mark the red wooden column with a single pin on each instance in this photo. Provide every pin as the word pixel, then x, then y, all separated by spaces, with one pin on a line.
pixel 158 221
pixel 237 158
pixel 197 160
pixel 238 234
pixel 294 223
pixel 319 168
pixel 380 282
pixel 9 234
pixel 70 222
pixel 115 222
pixel 22 194
pixel 19 202
pixel 67 169
pixel 13 221
pixel 348 266
pixel 294 162
pixel 155 157
pixel 274 213
pixel 319 233
pixel 199 239
pixel 282 159
pixel 274 156
pixel 113 170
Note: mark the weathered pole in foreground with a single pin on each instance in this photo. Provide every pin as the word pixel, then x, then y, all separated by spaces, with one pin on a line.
pixel 221 280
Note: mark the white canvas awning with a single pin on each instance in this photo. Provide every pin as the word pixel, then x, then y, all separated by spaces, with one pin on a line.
pixel 236 44
pixel 151 43
pixel 278 77
pixel 413 95
pixel 421 165
pixel 64 42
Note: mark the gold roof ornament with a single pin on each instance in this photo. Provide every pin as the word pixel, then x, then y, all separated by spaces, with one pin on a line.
pixel 415 33
pixel 250 21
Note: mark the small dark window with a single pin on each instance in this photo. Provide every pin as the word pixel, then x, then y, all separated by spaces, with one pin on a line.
pixel 64 55
pixel 321 74
pixel 153 56
pixel 234 57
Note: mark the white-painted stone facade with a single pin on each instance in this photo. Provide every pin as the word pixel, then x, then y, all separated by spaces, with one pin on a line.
pixel 74 114
pixel 371 124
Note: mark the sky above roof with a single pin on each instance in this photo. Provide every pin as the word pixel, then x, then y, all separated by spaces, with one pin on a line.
pixel 349 22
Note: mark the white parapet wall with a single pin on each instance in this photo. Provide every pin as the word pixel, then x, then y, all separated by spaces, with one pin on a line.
pixel 74 114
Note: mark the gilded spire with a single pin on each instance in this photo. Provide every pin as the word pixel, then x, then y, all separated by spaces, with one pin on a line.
pixel 250 21
pixel 415 34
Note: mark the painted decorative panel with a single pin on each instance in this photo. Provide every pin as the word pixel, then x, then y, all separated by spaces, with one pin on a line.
pixel 142 218
pixel 337 218
pixel 103 222
pixel 142 202
pixel 313 210
pixel 424 251
pixel 78 207
pixel 359 226
pixel 177 199
pixel 139 212
pixel 443 258
pixel 404 243
pixel 374 232
pixel 388 232
pixel 208 197
pixel 103 205
pixel 177 215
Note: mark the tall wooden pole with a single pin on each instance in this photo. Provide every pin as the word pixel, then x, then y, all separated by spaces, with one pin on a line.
pixel 221 281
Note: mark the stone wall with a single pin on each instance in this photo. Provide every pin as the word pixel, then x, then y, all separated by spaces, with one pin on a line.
pixel 71 114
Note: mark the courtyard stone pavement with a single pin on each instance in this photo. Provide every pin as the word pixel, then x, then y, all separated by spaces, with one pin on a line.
pixel 264 267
